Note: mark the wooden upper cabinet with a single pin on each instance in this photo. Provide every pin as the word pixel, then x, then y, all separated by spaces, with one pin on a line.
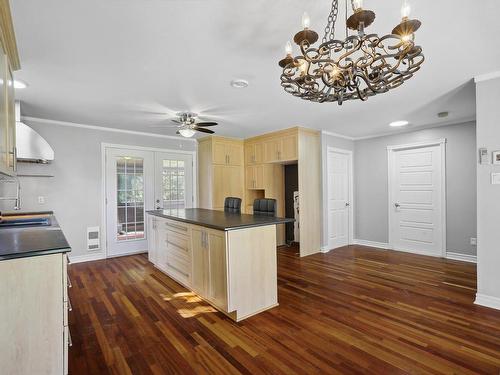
pixel 219 154
pixel 226 152
pixel 289 148
pixel 281 148
pixel 254 153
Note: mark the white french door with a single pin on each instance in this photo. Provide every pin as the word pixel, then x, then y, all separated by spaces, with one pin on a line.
pixel 417 198
pixel 339 167
pixel 174 181
pixel 129 193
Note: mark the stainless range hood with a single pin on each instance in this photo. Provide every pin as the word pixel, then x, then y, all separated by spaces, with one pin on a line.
pixel 31 146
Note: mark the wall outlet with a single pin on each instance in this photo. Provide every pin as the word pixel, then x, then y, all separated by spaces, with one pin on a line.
pixel 473 241
pixel 41 199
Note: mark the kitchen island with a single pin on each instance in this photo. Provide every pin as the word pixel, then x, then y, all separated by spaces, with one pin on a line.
pixel 228 259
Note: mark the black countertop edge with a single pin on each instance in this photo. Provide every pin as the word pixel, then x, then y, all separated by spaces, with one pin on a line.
pixel 260 221
pixel 35 253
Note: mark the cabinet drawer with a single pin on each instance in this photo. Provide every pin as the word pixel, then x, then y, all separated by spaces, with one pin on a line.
pixel 176 226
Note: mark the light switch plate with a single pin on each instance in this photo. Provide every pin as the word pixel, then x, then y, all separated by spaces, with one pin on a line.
pixel 495 178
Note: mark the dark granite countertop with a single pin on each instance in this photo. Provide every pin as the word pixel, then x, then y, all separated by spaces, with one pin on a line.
pixel 27 240
pixel 219 220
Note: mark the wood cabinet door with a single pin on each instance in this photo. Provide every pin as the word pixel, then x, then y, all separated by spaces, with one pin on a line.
pixel 288 148
pixel 250 177
pixel 271 148
pixel 233 182
pixel 249 154
pixel 199 261
pixel 217 282
pixel 234 153
pixel 219 186
pixel 259 176
pixel 4 130
pixel 219 154
pixel 259 152
pixel 161 249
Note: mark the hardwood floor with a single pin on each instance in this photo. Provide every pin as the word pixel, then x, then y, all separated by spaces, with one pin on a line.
pixel 354 310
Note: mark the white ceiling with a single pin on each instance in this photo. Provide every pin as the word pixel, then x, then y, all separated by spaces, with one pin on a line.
pixel 131 63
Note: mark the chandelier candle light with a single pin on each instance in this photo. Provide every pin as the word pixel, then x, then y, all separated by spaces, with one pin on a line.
pixel 356 67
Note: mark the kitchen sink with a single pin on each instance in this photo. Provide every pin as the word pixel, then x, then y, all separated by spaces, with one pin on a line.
pixel 25 221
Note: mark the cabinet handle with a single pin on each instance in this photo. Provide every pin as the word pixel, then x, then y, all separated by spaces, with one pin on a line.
pixel 70 307
pixel 69 282
pixel 228 159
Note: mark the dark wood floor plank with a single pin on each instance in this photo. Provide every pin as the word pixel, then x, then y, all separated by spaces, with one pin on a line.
pixel 355 310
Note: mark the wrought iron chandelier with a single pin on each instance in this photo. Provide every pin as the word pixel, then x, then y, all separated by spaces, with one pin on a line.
pixel 357 67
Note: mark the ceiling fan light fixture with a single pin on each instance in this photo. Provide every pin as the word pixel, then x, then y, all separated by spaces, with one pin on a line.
pixel 187 132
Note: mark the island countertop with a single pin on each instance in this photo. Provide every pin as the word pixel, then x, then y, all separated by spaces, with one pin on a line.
pixel 218 220
pixel 26 241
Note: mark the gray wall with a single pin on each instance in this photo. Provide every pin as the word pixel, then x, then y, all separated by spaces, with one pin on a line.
pixel 371 190
pixel 488 195
pixel 74 194
pixel 328 140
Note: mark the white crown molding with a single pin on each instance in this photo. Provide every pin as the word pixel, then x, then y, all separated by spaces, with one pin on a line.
pixel 461 257
pixel 379 245
pixel 338 135
pixel 422 127
pixel 488 301
pixel 487 76
pixel 103 128
pixel 87 257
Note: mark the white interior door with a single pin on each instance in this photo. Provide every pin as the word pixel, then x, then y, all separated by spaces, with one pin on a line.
pixel 339 197
pixel 416 207
pixel 129 193
pixel 174 181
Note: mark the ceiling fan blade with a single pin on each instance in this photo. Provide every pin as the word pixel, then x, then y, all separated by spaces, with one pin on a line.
pixel 206 124
pixel 203 130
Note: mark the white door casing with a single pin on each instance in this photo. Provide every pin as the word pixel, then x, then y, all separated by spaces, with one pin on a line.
pixel 339 198
pixel 129 193
pixel 417 197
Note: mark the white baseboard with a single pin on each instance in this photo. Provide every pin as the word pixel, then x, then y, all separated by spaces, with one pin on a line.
pixel 87 257
pixel 488 301
pixel 380 245
pixel 461 257
pixel 325 249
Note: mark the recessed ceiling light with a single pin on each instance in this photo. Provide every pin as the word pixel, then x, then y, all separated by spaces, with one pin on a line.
pixel 239 83
pixel 20 84
pixel 399 123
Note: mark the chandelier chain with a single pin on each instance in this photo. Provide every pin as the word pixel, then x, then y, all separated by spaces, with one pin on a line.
pixel 332 19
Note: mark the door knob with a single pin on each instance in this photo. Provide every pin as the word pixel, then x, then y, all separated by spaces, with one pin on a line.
pixel 397 205
pixel 347 204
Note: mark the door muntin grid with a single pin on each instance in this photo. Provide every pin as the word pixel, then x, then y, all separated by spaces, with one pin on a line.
pixel 173 184
pixel 130 198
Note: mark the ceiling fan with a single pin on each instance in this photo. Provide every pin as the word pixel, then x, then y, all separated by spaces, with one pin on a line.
pixel 187 125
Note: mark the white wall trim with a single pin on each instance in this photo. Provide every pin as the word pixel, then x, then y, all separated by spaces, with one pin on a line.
pixel 487 76
pixel 488 301
pixel 380 245
pixel 390 161
pixel 462 257
pixel 417 144
pixel 325 249
pixel 325 132
pixel 350 153
pixel 103 128
pixel 87 257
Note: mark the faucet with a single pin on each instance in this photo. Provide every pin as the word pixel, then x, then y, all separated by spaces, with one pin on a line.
pixel 17 198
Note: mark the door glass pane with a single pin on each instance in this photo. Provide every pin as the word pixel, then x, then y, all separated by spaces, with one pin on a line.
pixel 173 184
pixel 130 198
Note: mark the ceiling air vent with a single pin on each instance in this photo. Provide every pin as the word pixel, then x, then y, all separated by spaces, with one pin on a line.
pixel 93 238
